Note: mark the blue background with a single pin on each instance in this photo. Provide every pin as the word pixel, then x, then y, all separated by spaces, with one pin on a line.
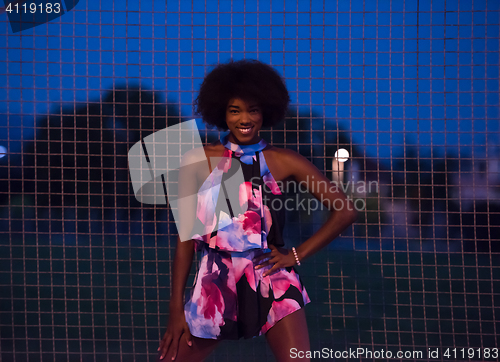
pixel 366 64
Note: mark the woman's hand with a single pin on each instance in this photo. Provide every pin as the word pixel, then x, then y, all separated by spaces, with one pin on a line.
pixel 278 258
pixel 177 328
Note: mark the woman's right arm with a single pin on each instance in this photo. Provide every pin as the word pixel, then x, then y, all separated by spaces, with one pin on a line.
pixel 177 328
pixel 183 259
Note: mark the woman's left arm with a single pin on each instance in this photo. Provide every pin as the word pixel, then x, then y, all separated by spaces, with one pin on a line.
pixel 342 211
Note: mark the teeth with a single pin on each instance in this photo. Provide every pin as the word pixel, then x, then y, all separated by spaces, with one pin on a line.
pixel 245 130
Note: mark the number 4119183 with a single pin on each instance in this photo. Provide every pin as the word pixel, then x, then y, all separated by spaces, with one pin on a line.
pixel 33 8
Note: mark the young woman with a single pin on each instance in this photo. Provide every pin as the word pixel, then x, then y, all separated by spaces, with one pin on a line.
pixel 247 284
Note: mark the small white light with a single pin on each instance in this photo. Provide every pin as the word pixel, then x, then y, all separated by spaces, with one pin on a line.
pixel 3 151
pixel 342 155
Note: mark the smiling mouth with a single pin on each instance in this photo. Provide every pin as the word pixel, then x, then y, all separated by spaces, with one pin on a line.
pixel 245 130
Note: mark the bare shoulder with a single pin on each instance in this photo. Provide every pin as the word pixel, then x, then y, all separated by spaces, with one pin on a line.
pixel 196 164
pixel 285 155
pixel 214 148
pixel 200 154
pixel 283 163
pixel 212 151
pixel 193 156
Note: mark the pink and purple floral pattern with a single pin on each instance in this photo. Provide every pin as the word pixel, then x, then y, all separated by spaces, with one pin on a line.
pixel 251 228
pixel 230 299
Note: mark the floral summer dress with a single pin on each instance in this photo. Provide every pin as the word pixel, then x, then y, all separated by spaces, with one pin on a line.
pixel 230 299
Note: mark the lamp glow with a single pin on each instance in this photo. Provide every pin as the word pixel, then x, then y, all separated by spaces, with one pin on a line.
pixel 3 151
pixel 342 155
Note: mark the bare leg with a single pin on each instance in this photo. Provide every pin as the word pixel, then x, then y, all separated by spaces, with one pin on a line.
pixel 289 332
pixel 200 350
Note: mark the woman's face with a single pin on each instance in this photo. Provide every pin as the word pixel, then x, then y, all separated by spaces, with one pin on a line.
pixel 244 120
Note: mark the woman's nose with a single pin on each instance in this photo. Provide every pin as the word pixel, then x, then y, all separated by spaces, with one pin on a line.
pixel 245 117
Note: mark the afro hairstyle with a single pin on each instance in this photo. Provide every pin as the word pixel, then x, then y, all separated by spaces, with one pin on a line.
pixel 249 80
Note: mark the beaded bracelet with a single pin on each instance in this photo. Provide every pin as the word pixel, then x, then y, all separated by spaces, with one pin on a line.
pixel 296 256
